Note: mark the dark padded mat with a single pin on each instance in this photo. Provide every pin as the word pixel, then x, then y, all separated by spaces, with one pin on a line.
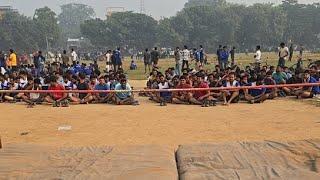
pixel 134 163
pixel 266 160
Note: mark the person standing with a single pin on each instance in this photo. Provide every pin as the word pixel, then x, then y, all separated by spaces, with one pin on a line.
pixel 74 57
pixel 65 59
pixel 283 54
pixel 219 50
pixel 108 59
pixel 224 55
pixel 13 60
pixel 291 52
pixel 178 59
pixel 202 56
pixel 147 61
pixel 185 57
pixel 257 56
pixel 301 50
pixel 42 61
pixel 155 55
pixel 2 60
pixel 232 54
pixel 117 61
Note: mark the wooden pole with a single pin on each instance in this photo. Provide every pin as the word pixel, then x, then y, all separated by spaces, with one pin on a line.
pixel 0 143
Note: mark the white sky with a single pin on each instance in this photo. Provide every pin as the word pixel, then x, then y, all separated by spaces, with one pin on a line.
pixel 156 8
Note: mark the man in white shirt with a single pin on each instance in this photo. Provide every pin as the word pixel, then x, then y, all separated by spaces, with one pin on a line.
pixel 178 59
pixel 185 57
pixel 74 56
pixel 257 56
pixel 108 58
pixel 283 54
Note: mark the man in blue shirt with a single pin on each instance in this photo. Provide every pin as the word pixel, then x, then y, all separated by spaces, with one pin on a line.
pixel 202 56
pixel 256 95
pixel 224 56
pixel 126 97
pixel 308 92
pixel 102 97
pixel 117 61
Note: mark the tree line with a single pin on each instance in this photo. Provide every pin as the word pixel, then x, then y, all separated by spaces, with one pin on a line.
pixel 200 22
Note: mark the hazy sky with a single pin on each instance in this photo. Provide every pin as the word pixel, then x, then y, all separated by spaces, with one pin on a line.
pixel 156 8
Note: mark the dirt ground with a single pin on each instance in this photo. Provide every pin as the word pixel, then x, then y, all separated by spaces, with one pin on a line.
pixel 282 119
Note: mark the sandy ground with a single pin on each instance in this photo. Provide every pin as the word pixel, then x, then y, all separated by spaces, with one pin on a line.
pixel 282 119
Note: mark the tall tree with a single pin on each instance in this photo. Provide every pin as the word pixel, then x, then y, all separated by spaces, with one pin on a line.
pixel 122 29
pixel 46 25
pixel 72 16
pixel 17 32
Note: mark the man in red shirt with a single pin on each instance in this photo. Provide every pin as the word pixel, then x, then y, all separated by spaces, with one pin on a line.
pixel 56 98
pixel 182 97
pixel 201 97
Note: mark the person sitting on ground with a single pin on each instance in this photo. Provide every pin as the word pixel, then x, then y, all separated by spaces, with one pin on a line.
pixel 256 95
pixel 13 84
pixel 308 92
pixel 182 97
pixel 33 98
pixel 231 96
pixel 163 97
pixel 102 97
pixel 280 77
pixel 202 97
pixel 271 92
pixel 126 96
pixel 295 79
pixel 133 65
pixel 83 98
pixel 214 83
pixel 56 98
pixel 314 72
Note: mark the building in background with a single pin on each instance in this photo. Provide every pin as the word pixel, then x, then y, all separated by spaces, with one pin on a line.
pixel 111 10
pixel 6 9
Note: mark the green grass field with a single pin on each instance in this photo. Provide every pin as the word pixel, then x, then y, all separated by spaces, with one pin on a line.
pixel 242 60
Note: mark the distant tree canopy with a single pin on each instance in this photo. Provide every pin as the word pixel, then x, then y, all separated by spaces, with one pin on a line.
pixel 210 23
pixel 23 33
pixel 72 16
pixel 200 22
pixel 122 29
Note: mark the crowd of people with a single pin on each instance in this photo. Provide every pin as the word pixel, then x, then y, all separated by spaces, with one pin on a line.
pixel 231 77
pixel 228 74
pixel 69 74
